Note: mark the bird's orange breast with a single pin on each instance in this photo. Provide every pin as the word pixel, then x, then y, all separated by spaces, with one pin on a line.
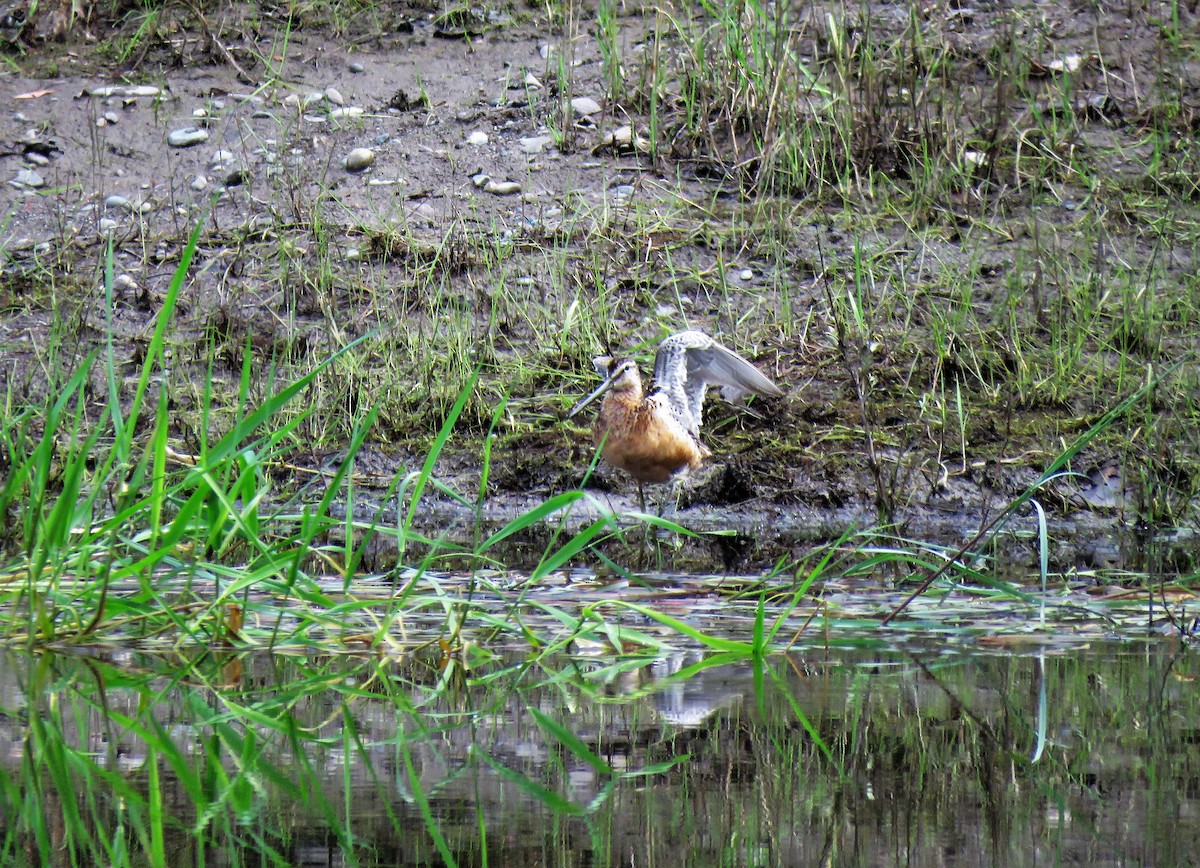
pixel 642 439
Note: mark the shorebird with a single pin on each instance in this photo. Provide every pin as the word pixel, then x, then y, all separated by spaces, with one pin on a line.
pixel 655 437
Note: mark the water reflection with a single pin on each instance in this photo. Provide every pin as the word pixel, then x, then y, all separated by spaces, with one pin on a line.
pixel 839 756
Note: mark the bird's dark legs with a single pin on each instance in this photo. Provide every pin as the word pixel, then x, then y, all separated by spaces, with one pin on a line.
pixel 641 497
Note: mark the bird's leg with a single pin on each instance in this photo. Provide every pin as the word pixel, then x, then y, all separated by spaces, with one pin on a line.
pixel 641 497
pixel 675 495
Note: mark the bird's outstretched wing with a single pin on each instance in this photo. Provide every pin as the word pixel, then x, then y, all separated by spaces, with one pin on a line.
pixel 689 362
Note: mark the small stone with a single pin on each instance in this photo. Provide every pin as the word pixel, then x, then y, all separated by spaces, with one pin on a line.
pixel 480 179
pixel 200 112
pixel 353 254
pixel 221 157
pixel 114 202
pixel 127 90
pixel 312 97
pixel 199 183
pixel 534 144
pixel 36 159
pixel 145 207
pixel 187 137
pixel 107 224
pixel 746 274
pixel 624 139
pixel 125 282
pixel 479 137
pixel 382 139
pixel 356 67
pixel 334 96
pixel 29 178
pixel 532 82
pixel 583 105
pixel 292 101
pixel 359 159
pixel 350 111
pixel 502 188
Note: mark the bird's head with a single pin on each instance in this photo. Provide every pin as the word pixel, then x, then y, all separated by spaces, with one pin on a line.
pixel 620 375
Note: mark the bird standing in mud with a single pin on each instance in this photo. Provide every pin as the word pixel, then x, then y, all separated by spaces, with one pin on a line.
pixel 655 437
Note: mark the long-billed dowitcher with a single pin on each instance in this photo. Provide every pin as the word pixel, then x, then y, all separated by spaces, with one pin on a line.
pixel 655 437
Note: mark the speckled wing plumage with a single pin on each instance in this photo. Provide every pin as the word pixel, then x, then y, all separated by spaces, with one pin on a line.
pixel 689 362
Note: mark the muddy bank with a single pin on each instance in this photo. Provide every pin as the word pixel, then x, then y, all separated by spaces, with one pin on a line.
pixel 442 184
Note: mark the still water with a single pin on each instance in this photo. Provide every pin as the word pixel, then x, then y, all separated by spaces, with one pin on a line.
pixel 880 755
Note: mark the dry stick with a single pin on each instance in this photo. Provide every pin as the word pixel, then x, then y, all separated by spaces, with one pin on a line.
pixel 1050 472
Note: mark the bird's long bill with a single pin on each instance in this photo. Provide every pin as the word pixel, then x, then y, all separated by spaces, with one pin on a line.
pixel 599 390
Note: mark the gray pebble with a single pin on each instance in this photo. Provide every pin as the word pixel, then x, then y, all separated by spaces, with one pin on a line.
pixel 187 137
pixel 199 183
pixel 357 67
pixel 501 188
pixel 479 137
pixel 114 202
pixel 334 96
pixel 36 159
pixel 29 178
pixel 534 144
pixel 107 224
pixel 128 90
pixel 350 111
pixel 584 105
pixel 222 156
pixel 746 274
pixel 359 159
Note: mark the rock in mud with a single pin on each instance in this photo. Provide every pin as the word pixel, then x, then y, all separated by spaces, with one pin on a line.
pixel 124 90
pixel 479 137
pixel 583 105
pixel 187 137
pixel 534 144
pixel 624 140
pixel 29 178
pixel 359 159
pixel 116 202
pixel 501 188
